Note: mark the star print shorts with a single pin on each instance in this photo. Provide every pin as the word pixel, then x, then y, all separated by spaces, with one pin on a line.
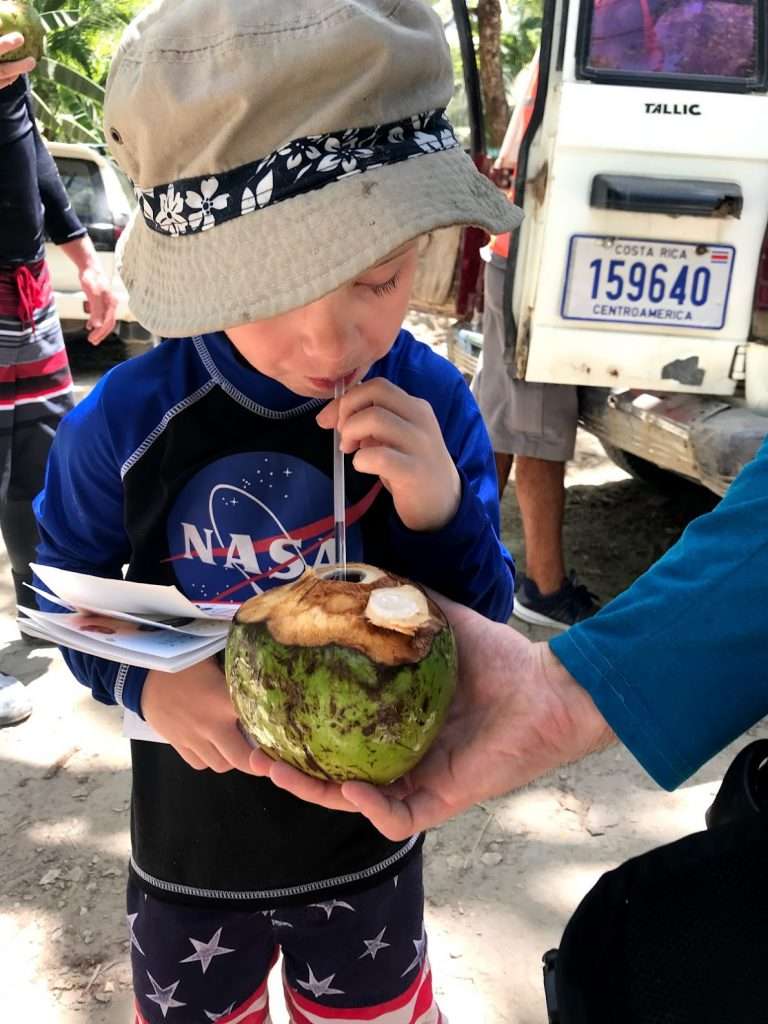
pixel 357 958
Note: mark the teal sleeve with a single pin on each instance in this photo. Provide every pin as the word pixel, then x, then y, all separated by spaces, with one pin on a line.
pixel 677 663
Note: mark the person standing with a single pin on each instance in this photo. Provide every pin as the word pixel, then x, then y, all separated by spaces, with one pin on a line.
pixel 35 379
pixel 531 424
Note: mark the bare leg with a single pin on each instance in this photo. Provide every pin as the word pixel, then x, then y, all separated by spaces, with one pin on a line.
pixel 541 496
pixel 503 469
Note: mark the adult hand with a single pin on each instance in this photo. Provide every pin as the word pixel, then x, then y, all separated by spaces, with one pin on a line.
pixel 192 710
pixel 517 715
pixel 397 438
pixel 102 303
pixel 10 71
pixel 101 300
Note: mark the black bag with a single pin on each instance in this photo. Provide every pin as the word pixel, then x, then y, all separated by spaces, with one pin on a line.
pixel 678 935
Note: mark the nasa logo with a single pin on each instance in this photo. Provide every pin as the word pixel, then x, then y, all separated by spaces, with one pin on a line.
pixel 249 522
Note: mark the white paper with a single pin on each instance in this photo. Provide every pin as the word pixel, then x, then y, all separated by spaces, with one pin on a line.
pixel 94 593
pixel 216 625
pixel 161 649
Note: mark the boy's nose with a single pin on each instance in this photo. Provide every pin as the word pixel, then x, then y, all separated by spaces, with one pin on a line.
pixel 328 339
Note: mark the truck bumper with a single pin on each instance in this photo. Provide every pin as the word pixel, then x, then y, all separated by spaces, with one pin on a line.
pixel 701 437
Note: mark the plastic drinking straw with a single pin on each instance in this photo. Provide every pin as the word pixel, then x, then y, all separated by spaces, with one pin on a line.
pixel 339 494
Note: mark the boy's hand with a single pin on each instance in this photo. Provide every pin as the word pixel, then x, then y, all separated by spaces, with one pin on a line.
pixel 397 437
pixel 192 710
pixel 11 70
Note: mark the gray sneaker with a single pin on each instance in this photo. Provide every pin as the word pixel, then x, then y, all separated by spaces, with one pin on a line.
pixel 15 702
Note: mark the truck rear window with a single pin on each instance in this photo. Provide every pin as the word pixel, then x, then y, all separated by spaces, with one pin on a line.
pixel 82 181
pixel 714 39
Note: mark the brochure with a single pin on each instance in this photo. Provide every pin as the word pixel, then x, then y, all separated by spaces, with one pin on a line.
pixel 142 624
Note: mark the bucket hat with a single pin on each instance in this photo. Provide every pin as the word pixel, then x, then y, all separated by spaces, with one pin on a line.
pixel 279 148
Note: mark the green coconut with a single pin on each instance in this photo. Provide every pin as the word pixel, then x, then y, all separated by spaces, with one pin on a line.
pixel 344 678
pixel 21 17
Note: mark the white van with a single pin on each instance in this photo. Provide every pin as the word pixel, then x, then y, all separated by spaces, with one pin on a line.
pixel 102 199
pixel 641 269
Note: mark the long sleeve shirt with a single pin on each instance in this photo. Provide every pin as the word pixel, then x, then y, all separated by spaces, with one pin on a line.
pixel 676 664
pixel 32 197
pixel 192 468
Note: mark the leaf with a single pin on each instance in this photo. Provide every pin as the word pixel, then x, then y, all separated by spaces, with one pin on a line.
pixel 43 112
pixel 328 163
pixel 70 79
pixel 79 132
pixel 264 189
pixel 55 21
pixel 248 202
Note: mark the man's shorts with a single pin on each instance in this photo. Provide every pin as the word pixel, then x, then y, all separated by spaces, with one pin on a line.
pixel 522 417
pixel 359 958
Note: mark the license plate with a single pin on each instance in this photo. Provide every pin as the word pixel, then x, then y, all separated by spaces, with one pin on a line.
pixel 647 282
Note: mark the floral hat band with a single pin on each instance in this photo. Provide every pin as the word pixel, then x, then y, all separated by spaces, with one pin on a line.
pixel 197 204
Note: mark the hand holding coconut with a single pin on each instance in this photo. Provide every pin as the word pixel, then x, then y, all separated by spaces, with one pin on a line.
pixel 11 66
pixel 192 710
pixel 517 714
pixel 397 438
pixel 22 36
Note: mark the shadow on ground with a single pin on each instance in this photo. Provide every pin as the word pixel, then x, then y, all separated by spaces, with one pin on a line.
pixel 616 530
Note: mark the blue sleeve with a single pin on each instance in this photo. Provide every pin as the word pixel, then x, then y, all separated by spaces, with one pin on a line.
pixel 80 518
pixel 675 664
pixel 465 560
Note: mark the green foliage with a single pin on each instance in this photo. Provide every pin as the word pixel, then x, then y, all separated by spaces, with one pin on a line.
pixel 520 37
pixel 518 45
pixel 68 84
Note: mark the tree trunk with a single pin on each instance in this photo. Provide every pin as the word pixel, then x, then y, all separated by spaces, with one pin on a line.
pixel 491 75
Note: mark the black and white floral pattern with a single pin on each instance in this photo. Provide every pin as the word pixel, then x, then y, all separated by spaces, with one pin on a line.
pixel 193 205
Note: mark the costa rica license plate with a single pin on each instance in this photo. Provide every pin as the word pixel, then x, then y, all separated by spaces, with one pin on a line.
pixel 647 282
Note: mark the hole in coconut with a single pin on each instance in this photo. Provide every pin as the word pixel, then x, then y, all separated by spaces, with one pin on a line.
pixel 350 576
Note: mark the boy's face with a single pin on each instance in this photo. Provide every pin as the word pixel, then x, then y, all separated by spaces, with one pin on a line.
pixel 338 337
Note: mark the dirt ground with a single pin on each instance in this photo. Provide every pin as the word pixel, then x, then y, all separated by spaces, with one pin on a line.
pixel 501 881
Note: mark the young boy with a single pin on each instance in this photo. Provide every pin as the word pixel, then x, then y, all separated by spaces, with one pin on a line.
pixel 287 157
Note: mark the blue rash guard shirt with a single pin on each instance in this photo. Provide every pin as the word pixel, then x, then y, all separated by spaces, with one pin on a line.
pixel 676 664
pixel 192 468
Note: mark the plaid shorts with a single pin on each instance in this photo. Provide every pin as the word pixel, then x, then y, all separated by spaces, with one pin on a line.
pixel 360 958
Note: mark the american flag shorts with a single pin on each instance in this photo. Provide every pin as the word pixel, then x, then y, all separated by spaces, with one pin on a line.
pixel 361 957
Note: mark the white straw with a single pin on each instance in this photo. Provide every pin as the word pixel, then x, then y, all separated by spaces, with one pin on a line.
pixel 339 494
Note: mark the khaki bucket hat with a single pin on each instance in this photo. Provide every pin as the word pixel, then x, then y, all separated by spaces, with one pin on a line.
pixel 278 148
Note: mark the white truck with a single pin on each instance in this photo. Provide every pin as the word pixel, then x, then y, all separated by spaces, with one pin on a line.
pixel 641 270
pixel 102 199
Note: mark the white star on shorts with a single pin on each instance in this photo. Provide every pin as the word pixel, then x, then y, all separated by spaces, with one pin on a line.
pixel 331 905
pixel 217 1016
pixel 416 962
pixel 132 924
pixel 320 988
pixel 206 951
pixel 374 945
pixel 164 996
